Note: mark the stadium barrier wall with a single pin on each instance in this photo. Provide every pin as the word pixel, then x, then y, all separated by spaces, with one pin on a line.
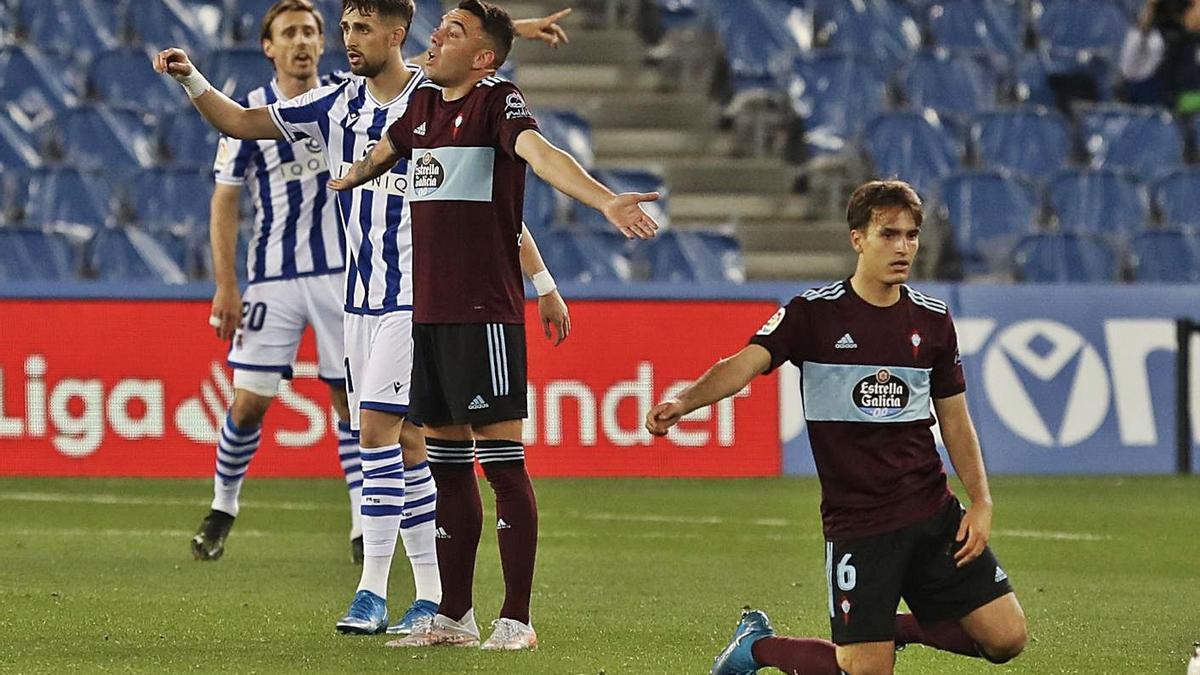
pixel 104 380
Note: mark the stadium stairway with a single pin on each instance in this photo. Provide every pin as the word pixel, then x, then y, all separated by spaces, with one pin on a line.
pixel 641 120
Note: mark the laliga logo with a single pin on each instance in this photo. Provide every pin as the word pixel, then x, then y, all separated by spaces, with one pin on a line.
pixel 1021 345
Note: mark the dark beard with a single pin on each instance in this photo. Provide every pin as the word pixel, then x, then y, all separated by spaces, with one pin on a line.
pixel 368 70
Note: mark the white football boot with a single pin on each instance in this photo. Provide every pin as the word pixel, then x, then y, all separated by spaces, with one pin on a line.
pixel 443 631
pixel 510 635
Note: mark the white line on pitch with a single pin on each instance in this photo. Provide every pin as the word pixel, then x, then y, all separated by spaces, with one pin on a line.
pixel 123 500
pixel 1053 536
pixel 118 532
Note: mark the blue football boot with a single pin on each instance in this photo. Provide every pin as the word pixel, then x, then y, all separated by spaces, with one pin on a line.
pixel 367 615
pixel 418 617
pixel 737 658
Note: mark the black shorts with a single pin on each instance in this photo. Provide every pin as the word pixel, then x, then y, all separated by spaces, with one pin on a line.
pixel 868 576
pixel 468 373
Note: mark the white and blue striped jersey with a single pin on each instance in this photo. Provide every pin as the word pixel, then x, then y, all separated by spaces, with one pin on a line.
pixel 348 122
pixel 296 228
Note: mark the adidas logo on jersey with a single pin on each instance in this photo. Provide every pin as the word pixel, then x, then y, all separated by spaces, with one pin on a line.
pixel 1001 575
pixel 501 525
pixel 420 130
pixel 441 533
pixel 478 403
pixel 846 342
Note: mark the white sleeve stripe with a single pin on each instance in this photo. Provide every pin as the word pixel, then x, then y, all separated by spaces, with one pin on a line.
pixel 281 124
pixel 224 180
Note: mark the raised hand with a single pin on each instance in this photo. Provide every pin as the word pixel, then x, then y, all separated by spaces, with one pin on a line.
pixel 173 62
pixel 545 29
pixel 625 212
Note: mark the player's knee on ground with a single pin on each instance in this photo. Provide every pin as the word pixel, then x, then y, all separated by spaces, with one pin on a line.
pixel 867 659
pixel 1007 644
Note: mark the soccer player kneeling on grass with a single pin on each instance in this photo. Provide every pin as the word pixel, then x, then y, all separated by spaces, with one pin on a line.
pixel 878 360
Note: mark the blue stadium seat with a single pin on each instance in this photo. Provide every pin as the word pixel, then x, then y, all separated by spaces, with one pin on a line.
pixel 425 21
pixel 757 48
pixel 158 24
pixel 1079 74
pixel 30 87
pixel 949 83
pixel 237 70
pixel 987 212
pixel 914 146
pixel 728 250
pixel 836 95
pixel 128 254
pixel 242 18
pixel 626 180
pixel 676 14
pixel 1003 139
pixel 1177 197
pixel 33 254
pixel 67 197
pixel 1097 25
pixel 993 25
pixel 122 77
pixel 882 30
pixel 172 199
pixel 72 27
pixel 18 150
pixel 571 260
pixel 186 139
pixel 679 257
pixel 1099 201
pixel 542 204
pixel 95 137
pixel 569 131
pixel 1064 257
pixel 1170 256
pixel 1145 141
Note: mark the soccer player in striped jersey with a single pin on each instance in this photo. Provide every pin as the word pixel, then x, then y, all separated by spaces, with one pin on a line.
pixel 471 138
pixel 294 266
pixel 880 365
pixel 347 120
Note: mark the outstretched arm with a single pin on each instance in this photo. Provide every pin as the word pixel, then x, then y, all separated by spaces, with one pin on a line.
pixel 962 444
pixel 226 115
pixel 545 29
pixel 551 307
pixel 376 163
pixel 726 378
pixel 561 170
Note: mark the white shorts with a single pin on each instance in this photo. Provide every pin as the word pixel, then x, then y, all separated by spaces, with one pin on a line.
pixel 379 358
pixel 274 315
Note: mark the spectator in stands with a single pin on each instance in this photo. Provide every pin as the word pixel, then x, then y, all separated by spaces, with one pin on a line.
pixel 1160 58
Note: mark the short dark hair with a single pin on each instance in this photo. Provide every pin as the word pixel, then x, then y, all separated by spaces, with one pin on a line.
pixel 497 25
pixel 882 194
pixel 396 9
pixel 289 6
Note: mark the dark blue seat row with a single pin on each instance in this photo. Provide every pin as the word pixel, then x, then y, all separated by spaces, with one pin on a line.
pixel 108 254
pixel 673 256
pixel 1168 256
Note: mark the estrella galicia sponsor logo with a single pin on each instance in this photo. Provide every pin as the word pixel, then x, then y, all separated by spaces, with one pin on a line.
pixel 428 175
pixel 514 107
pixel 881 395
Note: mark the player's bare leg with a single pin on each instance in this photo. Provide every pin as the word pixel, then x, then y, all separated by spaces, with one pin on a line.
pixel 239 438
pixel 998 628
pixel 867 658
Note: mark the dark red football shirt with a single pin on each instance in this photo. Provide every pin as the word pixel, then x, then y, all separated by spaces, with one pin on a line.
pixel 869 377
pixel 466 191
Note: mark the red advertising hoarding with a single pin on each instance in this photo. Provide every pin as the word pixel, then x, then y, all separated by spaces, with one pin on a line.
pixel 139 388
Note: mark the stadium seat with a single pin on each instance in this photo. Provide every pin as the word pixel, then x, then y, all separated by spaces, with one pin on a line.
pixel 571 261
pixel 67 197
pixel 1056 77
pixel 1166 256
pixel 122 78
pixel 34 254
pixel 987 212
pixel 1177 197
pixel 542 204
pixel 1064 257
pixel 1003 139
pixel 186 139
pixel 758 50
pixel 128 254
pixel 882 30
pixel 1096 25
pixel 949 83
pixel 676 14
pixel 30 89
pixel 915 146
pixel 993 25
pixel 679 257
pixel 1143 140
pixel 79 28
pixel 17 148
pixel 241 20
pixel 836 95
pixel 172 199
pixel 238 70
pixel 625 180
pixel 569 131
pixel 728 251
pixel 1099 201
pixel 426 20
pixel 95 137
pixel 158 24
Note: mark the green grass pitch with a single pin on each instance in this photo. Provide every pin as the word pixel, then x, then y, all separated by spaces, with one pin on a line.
pixel 634 576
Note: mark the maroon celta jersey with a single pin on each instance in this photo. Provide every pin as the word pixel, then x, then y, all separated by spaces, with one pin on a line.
pixel 466 191
pixel 869 376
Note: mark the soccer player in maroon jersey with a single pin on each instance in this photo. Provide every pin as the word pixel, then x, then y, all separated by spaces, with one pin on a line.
pixel 470 136
pixel 878 359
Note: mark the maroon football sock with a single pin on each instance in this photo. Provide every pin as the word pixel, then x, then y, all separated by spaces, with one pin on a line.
pixel 797 656
pixel 516 523
pixel 459 522
pixel 945 635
